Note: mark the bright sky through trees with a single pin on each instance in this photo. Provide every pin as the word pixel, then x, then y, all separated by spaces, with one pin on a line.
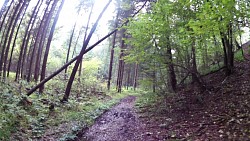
pixel 68 17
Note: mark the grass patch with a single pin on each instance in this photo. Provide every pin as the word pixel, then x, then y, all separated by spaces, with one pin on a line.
pixel 238 56
pixel 29 118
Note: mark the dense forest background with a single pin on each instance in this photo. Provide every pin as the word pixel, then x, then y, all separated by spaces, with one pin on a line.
pixel 67 69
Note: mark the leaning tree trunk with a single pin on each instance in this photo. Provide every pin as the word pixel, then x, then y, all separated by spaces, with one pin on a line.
pixel 69 47
pixel 79 59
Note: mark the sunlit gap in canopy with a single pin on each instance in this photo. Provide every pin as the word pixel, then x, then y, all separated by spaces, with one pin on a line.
pixel 69 16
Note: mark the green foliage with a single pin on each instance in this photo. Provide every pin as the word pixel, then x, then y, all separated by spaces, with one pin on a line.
pixel 24 118
pixel 147 98
pixel 238 56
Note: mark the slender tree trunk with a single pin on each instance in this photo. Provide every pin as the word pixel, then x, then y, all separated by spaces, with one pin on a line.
pixel 228 51
pixel 135 76
pixel 48 45
pixel 69 47
pixel 85 36
pixel 121 64
pixel 112 52
pixel 128 76
pixel 79 59
pixel 194 65
pixel 172 76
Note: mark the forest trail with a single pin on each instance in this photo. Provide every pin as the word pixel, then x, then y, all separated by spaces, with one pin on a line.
pixel 120 123
pixel 245 48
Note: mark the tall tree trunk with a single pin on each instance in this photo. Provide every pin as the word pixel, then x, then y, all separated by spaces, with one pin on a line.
pixel 48 45
pixel 135 76
pixel 228 50
pixel 85 36
pixel 128 76
pixel 69 47
pixel 112 52
pixel 121 64
pixel 79 59
pixel 194 65
pixel 172 76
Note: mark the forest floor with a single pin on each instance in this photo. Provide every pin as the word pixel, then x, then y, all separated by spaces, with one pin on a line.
pixel 119 123
pixel 221 112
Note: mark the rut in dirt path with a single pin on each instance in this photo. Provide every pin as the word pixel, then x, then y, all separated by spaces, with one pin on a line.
pixel 120 123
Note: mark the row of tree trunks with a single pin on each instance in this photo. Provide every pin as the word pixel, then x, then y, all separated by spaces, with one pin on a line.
pixel 8 36
pixel 26 39
pixel 79 57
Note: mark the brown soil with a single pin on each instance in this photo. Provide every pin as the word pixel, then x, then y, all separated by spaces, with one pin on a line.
pixel 221 112
pixel 120 123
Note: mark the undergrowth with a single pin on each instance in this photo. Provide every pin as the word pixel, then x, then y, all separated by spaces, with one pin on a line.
pixel 42 115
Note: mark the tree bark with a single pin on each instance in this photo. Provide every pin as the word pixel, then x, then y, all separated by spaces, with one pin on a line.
pixel 135 76
pixel 172 76
pixel 112 53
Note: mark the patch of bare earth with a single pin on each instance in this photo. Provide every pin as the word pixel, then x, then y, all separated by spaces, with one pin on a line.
pixel 220 113
pixel 120 123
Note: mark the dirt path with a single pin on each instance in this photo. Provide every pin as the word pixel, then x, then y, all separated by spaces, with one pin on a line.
pixel 120 123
